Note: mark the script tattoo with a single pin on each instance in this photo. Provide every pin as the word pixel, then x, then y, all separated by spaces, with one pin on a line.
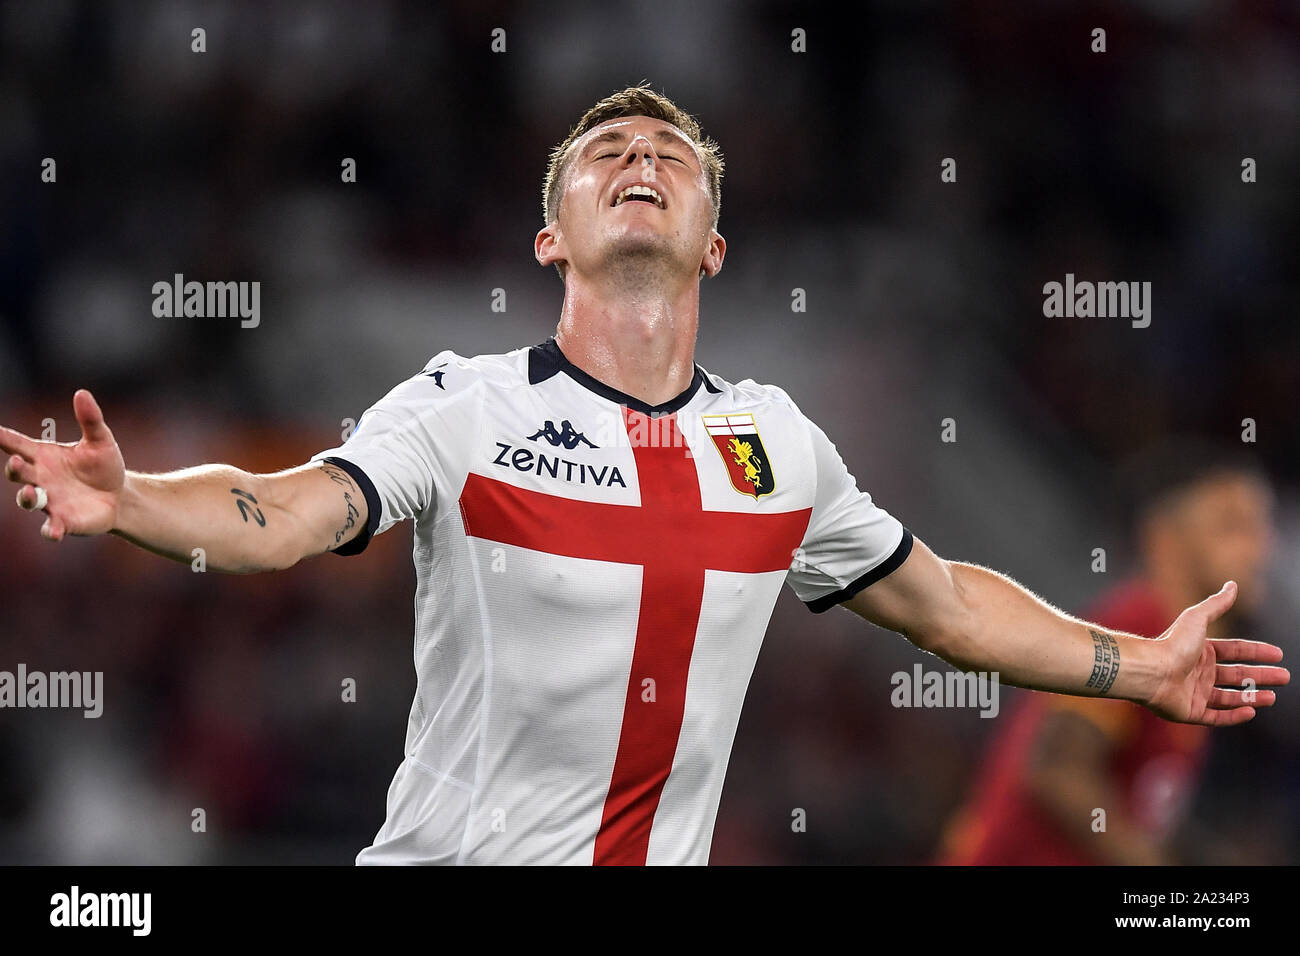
pixel 245 509
pixel 340 477
pixel 1105 661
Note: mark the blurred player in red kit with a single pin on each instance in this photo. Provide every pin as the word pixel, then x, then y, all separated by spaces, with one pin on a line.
pixel 1199 514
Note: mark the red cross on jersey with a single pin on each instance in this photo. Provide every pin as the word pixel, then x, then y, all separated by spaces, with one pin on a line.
pixel 594 578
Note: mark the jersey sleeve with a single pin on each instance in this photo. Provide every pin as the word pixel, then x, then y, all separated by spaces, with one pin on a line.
pixel 409 451
pixel 851 542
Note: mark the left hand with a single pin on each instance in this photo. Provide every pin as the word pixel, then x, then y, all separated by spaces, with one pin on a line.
pixel 1197 669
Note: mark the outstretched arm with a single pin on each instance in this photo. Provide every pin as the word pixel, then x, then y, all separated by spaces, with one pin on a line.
pixel 977 619
pixel 243 522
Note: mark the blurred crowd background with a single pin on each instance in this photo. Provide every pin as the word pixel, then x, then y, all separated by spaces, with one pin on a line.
pixel 924 302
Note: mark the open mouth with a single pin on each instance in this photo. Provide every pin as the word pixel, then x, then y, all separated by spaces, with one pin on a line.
pixel 639 194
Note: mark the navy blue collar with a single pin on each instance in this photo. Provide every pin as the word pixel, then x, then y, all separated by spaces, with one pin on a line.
pixel 546 359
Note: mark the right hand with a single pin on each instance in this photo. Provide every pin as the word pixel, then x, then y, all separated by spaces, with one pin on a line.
pixel 83 480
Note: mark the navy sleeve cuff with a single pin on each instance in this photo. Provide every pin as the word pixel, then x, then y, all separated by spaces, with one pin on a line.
pixel 818 605
pixel 373 506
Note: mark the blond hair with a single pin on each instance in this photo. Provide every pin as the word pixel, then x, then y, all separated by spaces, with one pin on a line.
pixel 633 101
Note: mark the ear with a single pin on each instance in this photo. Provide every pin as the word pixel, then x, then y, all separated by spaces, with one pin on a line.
pixel 548 246
pixel 716 251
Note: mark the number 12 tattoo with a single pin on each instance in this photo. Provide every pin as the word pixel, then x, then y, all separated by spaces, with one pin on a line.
pixel 245 509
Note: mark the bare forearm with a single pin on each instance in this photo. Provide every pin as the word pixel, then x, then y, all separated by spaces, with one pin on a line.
pixel 227 512
pixel 1031 644
pixel 980 620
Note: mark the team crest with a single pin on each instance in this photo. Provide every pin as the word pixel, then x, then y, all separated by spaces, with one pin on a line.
pixel 736 438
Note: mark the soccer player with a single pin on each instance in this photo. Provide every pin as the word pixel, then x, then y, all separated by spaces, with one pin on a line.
pixel 1200 514
pixel 602 529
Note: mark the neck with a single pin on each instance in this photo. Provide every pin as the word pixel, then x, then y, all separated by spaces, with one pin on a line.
pixel 640 341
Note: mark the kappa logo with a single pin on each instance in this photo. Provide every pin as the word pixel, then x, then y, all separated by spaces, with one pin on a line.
pixel 566 436
pixel 736 438
pixel 436 375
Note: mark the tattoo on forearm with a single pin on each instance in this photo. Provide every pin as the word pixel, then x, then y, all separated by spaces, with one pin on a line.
pixel 245 508
pixel 340 477
pixel 1105 661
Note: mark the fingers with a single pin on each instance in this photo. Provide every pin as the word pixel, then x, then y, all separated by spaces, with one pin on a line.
pixel 16 443
pixel 31 498
pixel 53 529
pixel 19 469
pixel 89 417
pixel 1235 675
pixel 1227 718
pixel 1232 650
pixel 1222 698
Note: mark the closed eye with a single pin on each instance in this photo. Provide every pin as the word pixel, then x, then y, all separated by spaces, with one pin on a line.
pixel 661 156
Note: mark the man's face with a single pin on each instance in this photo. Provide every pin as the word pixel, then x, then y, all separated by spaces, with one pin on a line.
pixel 1224 530
pixel 635 195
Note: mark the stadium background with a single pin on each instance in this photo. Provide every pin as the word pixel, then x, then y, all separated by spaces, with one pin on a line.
pixel 923 302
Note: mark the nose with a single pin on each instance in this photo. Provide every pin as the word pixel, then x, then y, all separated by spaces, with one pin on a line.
pixel 640 149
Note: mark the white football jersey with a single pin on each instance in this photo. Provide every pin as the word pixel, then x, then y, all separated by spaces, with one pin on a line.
pixel 594 579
